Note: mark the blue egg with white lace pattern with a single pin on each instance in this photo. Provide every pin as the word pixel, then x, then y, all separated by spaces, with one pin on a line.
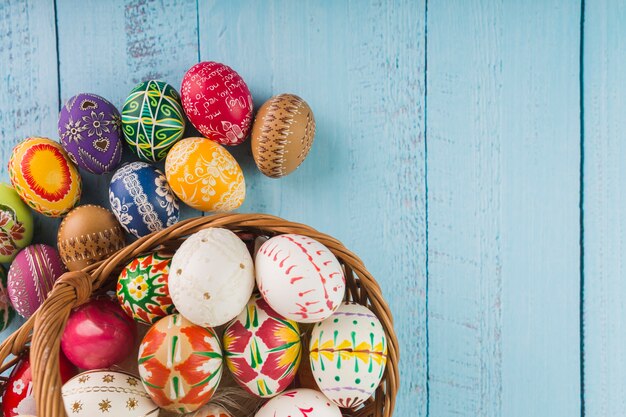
pixel 142 200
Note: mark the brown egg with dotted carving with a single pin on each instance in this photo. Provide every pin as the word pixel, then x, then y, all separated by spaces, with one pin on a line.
pixel 282 135
pixel 88 234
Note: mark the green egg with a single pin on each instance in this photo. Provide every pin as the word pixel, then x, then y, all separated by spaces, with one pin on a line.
pixel 152 120
pixel 16 223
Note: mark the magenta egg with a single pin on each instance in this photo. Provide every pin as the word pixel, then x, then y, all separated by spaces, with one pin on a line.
pixel 98 334
pixel 31 277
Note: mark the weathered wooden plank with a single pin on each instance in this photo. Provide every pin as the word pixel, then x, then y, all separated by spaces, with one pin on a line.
pixel 108 47
pixel 503 194
pixel 28 88
pixel 360 65
pixel 604 201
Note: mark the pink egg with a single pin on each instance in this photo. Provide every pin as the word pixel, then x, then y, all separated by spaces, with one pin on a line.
pixel 98 334
pixel 31 276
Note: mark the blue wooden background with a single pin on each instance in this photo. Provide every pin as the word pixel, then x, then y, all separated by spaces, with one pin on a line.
pixel 471 152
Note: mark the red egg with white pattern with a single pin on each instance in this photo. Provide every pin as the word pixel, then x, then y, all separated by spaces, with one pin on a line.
pixel 218 103
pixel 18 397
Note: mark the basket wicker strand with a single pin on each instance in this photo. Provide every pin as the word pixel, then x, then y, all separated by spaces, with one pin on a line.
pixel 72 289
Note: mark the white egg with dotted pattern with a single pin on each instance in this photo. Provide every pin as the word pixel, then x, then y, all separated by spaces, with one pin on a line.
pixel 211 277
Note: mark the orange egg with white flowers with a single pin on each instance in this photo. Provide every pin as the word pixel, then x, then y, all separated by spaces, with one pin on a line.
pixel 204 175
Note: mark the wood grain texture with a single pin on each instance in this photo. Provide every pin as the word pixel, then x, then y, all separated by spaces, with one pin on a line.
pixel 107 48
pixel 28 88
pixel 360 66
pixel 503 165
pixel 490 134
pixel 604 202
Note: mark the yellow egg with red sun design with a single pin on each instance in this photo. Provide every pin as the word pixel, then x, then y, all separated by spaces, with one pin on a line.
pixel 262 349
pixel 44 177
pixel 180 364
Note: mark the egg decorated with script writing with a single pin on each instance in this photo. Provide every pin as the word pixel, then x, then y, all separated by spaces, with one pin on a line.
pixel 217 102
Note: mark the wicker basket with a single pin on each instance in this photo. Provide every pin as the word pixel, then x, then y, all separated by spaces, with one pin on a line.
pixel 74 288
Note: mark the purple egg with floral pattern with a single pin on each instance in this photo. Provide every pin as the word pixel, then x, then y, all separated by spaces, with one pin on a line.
pixel 142 199
pixel 90 132
pixel 31 277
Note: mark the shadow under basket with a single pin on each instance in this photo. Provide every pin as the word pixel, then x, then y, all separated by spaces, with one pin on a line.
pixel 43 330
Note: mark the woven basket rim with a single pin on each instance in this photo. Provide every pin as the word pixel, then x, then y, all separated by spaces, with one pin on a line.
pixel 45 327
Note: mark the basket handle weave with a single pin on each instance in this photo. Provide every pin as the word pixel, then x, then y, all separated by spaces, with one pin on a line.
pixel 75 288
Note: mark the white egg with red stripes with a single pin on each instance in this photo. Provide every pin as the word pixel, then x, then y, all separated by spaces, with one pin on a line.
pixel 299 277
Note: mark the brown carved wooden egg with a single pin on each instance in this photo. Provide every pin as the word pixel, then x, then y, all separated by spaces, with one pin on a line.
pixel 88 234
pixel 282 135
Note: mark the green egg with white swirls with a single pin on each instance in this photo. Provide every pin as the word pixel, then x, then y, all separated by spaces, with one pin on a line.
pixel 152 120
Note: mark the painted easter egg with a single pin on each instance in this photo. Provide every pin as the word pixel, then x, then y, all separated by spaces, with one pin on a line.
pixel 98 334
pixel 348 354
pixel 31 276
pixel 217 102
pixel 18 398
pixel 16 224
pixel 211 410
pixel 44 176
pixel 299 278
pixel 142 200
pixel 304 376
pixel 262 349
pixel 180 364
pixel 142 288
pixel 152 120
pixel 88 234
pixel 90 131
pixel 212 277
pixel 282 135
pixel 299 402
pixel 205 175
pixel 6 311
pixel 107 392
